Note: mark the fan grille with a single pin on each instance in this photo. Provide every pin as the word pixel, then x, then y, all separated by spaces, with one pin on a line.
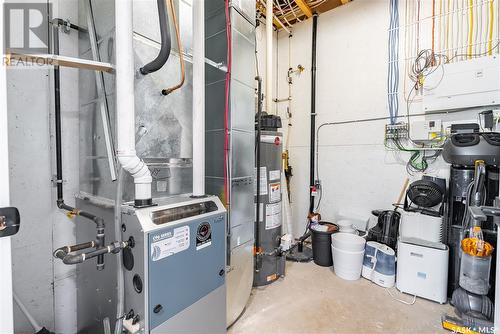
pixel 425 193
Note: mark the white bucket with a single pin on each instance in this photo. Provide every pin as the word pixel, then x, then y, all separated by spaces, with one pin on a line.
pixel 347 265
pixel 348 251
pixel 348 242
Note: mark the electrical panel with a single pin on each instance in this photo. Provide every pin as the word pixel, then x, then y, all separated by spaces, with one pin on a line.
pixel 425 131
pixel 465 84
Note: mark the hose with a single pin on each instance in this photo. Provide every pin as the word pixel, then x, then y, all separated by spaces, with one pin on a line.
pixel 181 52
pixel 166 43
pixel 120 302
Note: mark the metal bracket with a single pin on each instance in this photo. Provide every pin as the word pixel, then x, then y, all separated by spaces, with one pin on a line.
pixel 66 26
pixel 55 181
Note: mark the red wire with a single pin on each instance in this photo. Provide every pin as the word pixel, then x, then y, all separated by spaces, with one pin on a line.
pixel 226 108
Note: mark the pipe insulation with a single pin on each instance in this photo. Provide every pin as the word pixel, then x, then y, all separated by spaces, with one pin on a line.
pixel 125 104
pixel 166 43
pixel 269 56
pixel 198 98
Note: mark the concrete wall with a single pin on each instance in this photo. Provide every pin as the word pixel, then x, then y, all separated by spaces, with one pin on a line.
pixel 45 286
pixel 357 173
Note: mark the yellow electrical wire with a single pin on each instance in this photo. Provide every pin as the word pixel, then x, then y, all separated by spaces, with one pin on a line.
pixel 490 37
pixel 471 27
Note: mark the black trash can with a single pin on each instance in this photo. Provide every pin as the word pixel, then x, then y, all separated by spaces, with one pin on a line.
pixel 321 238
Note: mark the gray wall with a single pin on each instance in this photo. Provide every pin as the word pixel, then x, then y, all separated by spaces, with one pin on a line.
pixel 45 286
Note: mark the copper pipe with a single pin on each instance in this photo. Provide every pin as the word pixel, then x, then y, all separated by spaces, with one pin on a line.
pixel 181 52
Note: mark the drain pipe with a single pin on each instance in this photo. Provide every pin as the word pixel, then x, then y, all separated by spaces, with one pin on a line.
pixel 269 56
pixel 125 108
pixel 312 181
pixel 198 98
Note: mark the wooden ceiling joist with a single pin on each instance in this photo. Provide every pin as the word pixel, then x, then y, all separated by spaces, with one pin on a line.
pixel 304 8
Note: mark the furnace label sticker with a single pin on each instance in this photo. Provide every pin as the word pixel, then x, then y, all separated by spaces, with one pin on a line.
pixel 273 216
pixel 170 243
pixel 274 175
pixel 274 192
pixel 263 181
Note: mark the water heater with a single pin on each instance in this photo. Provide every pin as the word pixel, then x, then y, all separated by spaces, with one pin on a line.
pixel 269 262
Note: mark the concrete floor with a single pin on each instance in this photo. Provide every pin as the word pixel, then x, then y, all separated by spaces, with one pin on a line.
pixel 311 299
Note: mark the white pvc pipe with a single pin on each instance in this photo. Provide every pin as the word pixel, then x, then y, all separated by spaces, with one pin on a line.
pixel 36 326
pixel 6 312
pixel 198 98
pixel 125 110
pixel 269 56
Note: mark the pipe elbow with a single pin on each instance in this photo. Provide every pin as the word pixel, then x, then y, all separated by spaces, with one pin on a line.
pixel 60 253
pixel 137 168
pixel 73 259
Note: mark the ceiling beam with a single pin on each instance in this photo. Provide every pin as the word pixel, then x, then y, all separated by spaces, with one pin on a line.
pixel 304 7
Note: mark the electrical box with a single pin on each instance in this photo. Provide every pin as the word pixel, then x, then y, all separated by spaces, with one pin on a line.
pixel 425 131
pixel 466 84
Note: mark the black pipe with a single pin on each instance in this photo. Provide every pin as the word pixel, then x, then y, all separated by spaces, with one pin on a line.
pixel 114 248
pixel 61 252
pixel 257 148
pixel 58 137
pixel 166 43
pixel 65 23
pixel 313 114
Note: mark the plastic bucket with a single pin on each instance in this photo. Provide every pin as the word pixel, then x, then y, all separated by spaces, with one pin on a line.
pixel 348 242
pixel 321 243
pixel 347 265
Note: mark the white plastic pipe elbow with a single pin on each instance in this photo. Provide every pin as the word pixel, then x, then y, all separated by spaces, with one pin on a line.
pixel 141 174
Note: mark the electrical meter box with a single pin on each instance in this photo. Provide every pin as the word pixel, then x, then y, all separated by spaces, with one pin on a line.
pixel 464 84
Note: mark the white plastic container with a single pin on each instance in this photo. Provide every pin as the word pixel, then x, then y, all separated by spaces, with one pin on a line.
pixel 475 273
pixel 348 242
pixel 348 251
pixel 346 226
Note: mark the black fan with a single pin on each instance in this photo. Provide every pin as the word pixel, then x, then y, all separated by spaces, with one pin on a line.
pixel 425 193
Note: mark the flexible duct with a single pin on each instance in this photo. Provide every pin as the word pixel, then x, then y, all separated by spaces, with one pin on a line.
pixel 125 101
pixel 166 43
